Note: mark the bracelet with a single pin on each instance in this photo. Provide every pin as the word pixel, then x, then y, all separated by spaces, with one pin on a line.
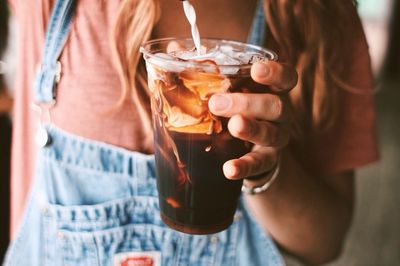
pixel 260 189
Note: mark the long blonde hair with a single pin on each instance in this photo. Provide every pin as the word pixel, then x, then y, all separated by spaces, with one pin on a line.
pixel 133 26
pixel 308 32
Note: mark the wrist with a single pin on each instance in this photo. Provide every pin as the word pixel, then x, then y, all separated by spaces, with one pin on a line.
pixel 261 183
pixel 259 180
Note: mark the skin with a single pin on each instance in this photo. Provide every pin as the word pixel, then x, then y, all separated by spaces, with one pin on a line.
pixel 299 202
pixel 307 215
pixel 6 101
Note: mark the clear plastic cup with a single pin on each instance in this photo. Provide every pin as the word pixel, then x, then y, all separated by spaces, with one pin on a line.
pixel 191 144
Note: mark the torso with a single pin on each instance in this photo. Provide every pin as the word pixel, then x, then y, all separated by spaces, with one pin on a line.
pixel 90 86
pixel 93 87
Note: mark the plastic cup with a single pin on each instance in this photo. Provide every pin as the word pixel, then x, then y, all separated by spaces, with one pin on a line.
pixel 191 144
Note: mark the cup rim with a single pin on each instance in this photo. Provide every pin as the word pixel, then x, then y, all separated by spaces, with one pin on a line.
pixel 146 53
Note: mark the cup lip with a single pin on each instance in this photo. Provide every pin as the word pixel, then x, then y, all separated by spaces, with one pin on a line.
pixel 272 55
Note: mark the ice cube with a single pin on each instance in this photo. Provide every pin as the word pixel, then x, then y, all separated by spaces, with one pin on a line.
pixel 226 49
pixel 166 62
pixel 185 55
pixel 223 55
pixel 222 58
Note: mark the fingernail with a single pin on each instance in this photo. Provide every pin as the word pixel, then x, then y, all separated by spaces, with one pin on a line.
pixel 261 70
pixel 219 102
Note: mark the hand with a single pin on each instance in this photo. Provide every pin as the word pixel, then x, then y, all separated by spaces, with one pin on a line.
pixel 263 119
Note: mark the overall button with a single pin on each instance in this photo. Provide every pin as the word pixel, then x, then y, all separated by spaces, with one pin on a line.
pixel 42 137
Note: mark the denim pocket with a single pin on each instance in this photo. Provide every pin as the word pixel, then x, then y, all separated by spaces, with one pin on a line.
pixel 94 234
pixel 93 203
pixel 101 208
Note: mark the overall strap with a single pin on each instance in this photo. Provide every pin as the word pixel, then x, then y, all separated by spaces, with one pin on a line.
pixel 57 34
pixel 259 27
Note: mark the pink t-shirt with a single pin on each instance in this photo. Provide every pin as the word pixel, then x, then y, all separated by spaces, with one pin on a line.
pixel 90 86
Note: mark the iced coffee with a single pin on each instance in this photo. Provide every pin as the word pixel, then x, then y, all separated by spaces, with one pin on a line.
pixel 192 144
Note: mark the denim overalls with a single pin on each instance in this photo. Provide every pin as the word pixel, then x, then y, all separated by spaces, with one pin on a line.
pixel 95 204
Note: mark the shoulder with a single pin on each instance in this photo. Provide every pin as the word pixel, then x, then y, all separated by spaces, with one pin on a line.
pixel 31 8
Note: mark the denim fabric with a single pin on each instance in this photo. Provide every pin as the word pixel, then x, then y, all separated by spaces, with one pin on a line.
pixel 259 27
pixel 56 37
pixel 91 201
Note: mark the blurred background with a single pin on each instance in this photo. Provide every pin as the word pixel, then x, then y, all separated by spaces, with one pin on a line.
pixel 374 238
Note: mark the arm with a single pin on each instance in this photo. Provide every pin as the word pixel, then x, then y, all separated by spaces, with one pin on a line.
pixel 307 215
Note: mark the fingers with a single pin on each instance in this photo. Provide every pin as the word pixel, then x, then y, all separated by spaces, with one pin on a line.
pixel 254 163
pixel 280 77
pixel 263 106
pixel 262 133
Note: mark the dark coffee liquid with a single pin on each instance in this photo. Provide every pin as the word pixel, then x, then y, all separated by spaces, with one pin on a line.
pixel 191 146
pixel 195 196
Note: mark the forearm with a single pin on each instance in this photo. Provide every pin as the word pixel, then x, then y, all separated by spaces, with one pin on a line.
pixel 303 213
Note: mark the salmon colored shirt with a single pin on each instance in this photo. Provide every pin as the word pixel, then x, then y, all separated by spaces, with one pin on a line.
pixel 90 86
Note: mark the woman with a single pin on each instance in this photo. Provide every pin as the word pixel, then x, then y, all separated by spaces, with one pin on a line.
pixel 328 113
